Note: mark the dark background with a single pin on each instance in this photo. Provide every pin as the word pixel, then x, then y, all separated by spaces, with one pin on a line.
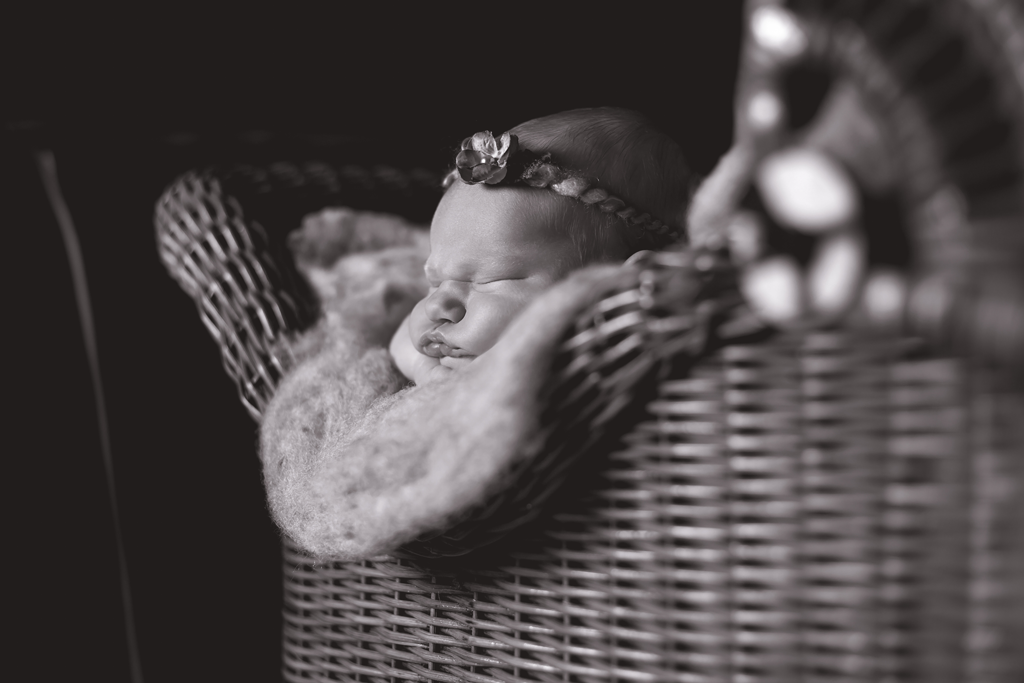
pixel 129 101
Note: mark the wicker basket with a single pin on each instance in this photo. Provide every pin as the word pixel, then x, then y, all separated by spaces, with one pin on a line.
pixel 833 505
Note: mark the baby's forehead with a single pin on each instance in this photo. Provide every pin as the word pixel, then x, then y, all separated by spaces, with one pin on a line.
pixel 497 227
pixel 473 213
pixel 510 246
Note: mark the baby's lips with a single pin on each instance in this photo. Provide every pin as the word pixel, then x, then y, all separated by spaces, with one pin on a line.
pixel 434 344
pixel 439 350
pixel 433 350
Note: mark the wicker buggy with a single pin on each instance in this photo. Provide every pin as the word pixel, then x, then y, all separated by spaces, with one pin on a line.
pixel 821 502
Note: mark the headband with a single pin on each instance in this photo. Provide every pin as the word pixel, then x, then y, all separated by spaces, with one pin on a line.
pixel 482 159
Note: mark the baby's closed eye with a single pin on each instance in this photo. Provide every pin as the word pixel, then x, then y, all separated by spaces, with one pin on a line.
pixel 493 283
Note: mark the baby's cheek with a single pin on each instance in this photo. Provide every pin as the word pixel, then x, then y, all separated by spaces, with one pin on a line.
pixel 496 314
pixel 418 322
pixel 402 350
pixel 430 371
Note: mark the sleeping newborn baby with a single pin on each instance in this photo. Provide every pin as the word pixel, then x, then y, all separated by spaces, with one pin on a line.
pixel 356 461
pixel 492 250
pixel 498 242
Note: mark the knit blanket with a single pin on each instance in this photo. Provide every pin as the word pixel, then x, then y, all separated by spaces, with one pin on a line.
pixel 356 461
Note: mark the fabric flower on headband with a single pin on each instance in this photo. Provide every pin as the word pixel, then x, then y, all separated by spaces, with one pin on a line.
pixel 483 159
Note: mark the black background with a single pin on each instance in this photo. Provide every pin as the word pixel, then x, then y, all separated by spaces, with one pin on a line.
pixel 127 101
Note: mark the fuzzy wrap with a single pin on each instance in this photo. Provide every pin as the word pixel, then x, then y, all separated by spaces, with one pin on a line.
pixel 355 462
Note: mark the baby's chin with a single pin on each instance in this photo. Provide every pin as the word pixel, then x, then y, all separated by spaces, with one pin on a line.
pixel 432 369
pixel 456 363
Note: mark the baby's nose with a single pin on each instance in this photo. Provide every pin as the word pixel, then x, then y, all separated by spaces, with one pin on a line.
pixel 445 305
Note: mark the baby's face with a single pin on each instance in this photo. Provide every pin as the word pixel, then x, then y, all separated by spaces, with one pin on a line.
pixel 492 251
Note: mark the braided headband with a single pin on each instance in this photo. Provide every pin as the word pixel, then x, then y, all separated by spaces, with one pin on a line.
pixel 483 159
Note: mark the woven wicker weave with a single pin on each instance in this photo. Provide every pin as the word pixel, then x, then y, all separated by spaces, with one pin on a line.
pixel 839 505
pixel 243 279
pixel 749 530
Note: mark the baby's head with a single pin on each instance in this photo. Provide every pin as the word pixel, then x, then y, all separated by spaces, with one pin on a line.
pixel 495 247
